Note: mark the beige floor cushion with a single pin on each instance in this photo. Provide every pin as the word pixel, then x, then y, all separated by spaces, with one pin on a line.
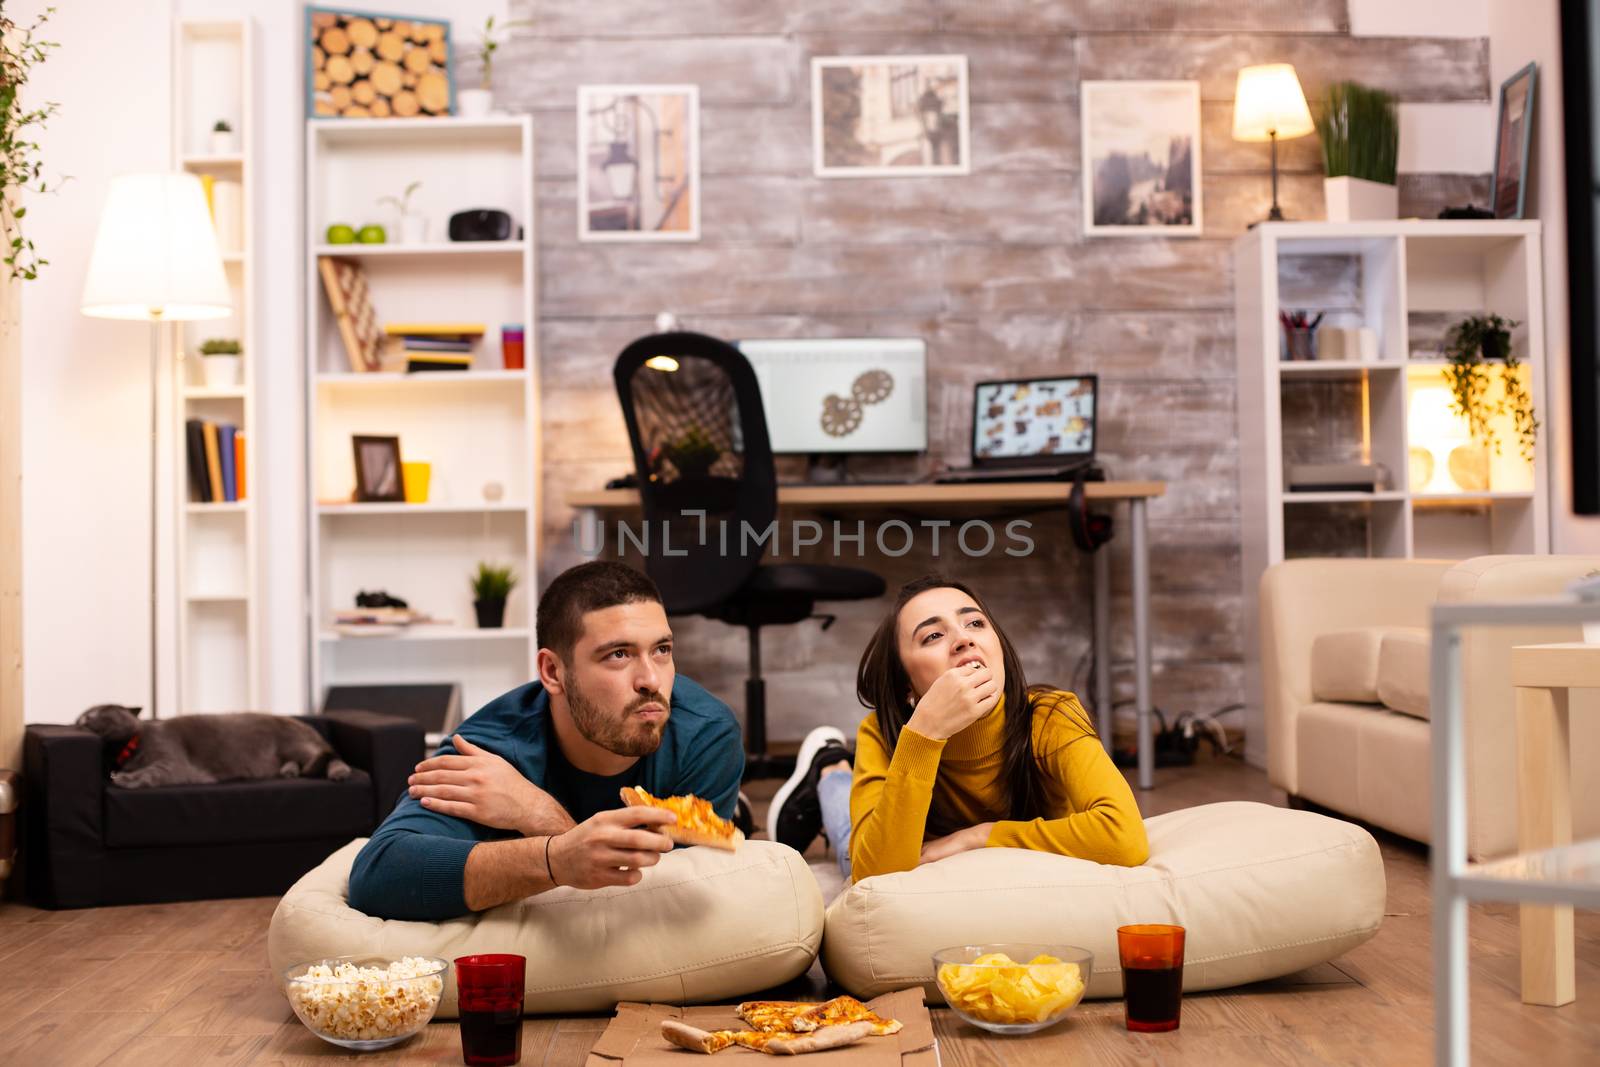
pixel 1262 892
pixel 703 925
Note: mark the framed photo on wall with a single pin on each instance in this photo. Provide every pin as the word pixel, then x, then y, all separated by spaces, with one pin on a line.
pixel 364 65
pixel 890 116
pixel 639 163
pixel 1141 158
pixel 379 475
pixel 1513 136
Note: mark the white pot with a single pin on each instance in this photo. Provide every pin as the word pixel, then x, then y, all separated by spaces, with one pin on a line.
pixel 413 229
pixel 1356 199
pixel 223 372
pixel 224 143
pixel 474 103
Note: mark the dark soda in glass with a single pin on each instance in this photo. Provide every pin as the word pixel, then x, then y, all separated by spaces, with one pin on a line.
pixel 1154 995
pixel 490 987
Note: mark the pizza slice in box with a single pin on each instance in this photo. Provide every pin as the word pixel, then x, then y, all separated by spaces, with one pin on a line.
pixel 800 1017
pixel 698 823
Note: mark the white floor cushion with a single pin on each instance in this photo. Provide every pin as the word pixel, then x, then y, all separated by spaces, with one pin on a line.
pixel 703 925
pixel 1261 892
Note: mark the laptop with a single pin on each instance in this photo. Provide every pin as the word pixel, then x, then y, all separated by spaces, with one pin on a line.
pixel 1031 429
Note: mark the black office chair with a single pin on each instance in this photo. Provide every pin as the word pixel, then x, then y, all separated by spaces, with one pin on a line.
pixel 699 436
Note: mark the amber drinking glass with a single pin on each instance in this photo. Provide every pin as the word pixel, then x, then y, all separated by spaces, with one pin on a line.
pixel 1152 976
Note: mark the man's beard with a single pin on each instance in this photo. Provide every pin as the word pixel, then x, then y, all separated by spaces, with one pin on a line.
pixel 619 733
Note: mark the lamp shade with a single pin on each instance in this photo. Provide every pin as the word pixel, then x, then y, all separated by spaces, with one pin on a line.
pixel 1268 101
pixel 155 255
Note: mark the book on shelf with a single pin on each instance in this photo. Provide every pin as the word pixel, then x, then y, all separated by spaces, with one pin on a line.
pixel 434 329
pixel 230 487
pixel 420 362
pixel 419 343
pixel 213 462
pixel 215 459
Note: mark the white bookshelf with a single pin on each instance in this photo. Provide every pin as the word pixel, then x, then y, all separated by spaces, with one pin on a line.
pixel 473 427
pixel 1403 280
pixel 218 609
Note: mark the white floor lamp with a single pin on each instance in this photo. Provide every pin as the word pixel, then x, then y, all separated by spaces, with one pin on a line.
pixel 155 259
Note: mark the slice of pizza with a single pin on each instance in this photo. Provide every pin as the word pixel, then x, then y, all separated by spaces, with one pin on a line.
pixel 693 1038
pixel 798 1016
pixel 698 823
pixel 844 1011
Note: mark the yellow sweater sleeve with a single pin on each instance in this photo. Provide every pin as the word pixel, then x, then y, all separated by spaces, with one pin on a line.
pixel 889 800
pixel 1102 823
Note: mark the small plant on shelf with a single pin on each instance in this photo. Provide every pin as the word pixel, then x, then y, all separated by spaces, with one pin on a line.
pixel 402 203
pixel 221 126
pixel 492 40
pixel 1471 345
pixel 220 346
pixel 491 588
pixel 413 227
pixel 1360 133
pixel 693 453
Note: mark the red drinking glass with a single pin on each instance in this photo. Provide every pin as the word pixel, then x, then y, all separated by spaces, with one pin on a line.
pixel 1152 976
pixel 490 987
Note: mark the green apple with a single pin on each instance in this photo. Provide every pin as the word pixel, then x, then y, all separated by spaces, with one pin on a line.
pixel 372 234
pixel 340 234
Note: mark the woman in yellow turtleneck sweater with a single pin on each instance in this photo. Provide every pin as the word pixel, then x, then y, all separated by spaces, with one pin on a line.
pixel 960 753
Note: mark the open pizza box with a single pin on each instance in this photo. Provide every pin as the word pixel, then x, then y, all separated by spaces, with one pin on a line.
pixel 634 1038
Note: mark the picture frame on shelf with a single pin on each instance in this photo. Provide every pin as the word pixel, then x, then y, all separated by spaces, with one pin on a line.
pixel 1508 189
pixel 380 476
pixel 890 116
pixel 639 152
pixel 1141 153
pixel 360 64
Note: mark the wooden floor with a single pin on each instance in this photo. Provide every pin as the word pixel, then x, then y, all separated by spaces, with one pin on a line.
pixel 180 985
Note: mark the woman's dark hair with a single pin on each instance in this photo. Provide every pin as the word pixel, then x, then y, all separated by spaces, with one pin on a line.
pixel 884 687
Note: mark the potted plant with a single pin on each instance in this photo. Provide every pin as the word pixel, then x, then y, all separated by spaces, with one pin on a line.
pixel 20 168
pixel 693 453
pixel 476 103
pixel 413 228
pixel 491 586
pixel 1360 134
pixel 1470 345
pixel 223 142
pixel 223 360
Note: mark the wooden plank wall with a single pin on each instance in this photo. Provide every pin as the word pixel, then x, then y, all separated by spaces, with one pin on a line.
pixel 992 269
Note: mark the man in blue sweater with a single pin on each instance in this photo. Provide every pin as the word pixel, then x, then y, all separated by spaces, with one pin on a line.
pixel 526 796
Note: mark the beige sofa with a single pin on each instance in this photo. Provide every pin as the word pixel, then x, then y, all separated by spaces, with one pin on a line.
pixel 1345 664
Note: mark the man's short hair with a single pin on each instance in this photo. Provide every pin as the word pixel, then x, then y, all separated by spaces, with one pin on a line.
pixel 579 590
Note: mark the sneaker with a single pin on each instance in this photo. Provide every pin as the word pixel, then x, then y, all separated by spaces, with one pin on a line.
pixel 743 817
pixel 795 817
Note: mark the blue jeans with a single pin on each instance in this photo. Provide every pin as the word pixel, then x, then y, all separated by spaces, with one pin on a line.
pixel 833 793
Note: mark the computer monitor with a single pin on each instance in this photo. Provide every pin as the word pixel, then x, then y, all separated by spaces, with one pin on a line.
pixel 843 395
pixel 1024 422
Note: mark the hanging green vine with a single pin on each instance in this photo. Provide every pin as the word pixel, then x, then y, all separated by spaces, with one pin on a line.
pixel 20 168
pixel 1470 345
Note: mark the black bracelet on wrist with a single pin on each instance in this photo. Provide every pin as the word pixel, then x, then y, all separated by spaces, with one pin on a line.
pixel 547 868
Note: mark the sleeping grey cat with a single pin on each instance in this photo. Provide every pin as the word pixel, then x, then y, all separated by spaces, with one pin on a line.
pixel 201 749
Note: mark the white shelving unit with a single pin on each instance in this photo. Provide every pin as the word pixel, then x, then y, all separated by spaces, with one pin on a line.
pixel 1404 280
pixel 473 427
pixel 217 544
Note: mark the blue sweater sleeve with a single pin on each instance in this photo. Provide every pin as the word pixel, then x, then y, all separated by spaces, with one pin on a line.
pixel 715 768
pixel 414 867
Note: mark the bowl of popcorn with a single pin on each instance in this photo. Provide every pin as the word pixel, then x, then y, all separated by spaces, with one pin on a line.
pixel 366 1002
pixel 1013 988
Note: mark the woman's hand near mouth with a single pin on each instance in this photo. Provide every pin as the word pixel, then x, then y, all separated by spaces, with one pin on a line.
pixel 958 698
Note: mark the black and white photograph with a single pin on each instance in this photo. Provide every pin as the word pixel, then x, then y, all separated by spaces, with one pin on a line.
pixel 639 147
pixel 379 477
pixel 889 116
pixel 1141 152
pixel 1513 135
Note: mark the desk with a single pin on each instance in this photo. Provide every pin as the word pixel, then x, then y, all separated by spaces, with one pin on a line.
pixel 969 497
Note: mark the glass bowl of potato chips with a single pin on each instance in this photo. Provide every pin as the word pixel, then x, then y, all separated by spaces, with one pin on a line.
pixel 1013 988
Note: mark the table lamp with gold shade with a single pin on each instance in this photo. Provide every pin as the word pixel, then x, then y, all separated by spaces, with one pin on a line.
pixel 155 260
pixel 1268 105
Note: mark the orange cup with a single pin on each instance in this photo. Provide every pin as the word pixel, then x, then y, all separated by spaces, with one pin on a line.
pixel 1152 976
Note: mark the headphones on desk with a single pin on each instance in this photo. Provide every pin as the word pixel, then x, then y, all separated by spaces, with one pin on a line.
pixel 1089 530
